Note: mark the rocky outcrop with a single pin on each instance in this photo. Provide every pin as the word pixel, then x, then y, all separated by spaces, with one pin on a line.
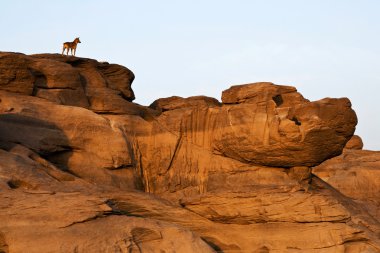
pixel 356 174
pixel 101 87
pixel 190 149
pixel 172 103
pixel 93 172
pixel 354 143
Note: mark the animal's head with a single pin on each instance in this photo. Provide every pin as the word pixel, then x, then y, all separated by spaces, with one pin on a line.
pixel 77 40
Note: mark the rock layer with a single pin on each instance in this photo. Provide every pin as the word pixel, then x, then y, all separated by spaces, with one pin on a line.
pixel 355 173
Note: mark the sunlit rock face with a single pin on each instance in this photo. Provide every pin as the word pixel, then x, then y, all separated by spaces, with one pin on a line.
pixel 84 169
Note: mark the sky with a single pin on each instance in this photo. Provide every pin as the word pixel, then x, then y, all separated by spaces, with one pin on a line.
pixel 201 47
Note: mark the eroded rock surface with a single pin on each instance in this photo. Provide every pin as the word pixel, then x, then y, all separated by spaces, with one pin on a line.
pixel 84 169
pixel 355 173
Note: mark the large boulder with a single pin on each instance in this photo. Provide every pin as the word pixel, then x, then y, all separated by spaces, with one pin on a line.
pixel 262 92
pixel 175 102
pixel 73 138
pixel 354 143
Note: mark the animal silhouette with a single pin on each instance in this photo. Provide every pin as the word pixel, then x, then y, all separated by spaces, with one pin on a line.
pixel 71 46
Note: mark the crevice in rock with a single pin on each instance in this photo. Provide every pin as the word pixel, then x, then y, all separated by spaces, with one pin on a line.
pixel 141 234
pixel 219 246
pixel 61 151
pixel 83 82
pixel 108 112
pixel 121 167
pixel 212 245
pixel 95 217
pixel 295 119
pixel 76 62
pixel 54 88
pixel 3 244
pixel 39 80
pixel 16 183
pixel 278 100
pixel 264 249
pixel 176 149
pixel 123 208
pixel 359 239
pixel 50 169
pixel 127 98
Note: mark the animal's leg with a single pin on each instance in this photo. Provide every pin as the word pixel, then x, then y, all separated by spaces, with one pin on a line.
pixel 63 50
pixel 75 50
pixel 67 52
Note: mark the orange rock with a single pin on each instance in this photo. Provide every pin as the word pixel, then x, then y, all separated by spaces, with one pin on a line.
pixel 354 143
pixel 83 169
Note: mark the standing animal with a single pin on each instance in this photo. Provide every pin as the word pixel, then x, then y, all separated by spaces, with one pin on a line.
pixel 71 46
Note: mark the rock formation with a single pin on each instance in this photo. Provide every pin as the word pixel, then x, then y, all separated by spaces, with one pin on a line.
pixel 356 174
pixel 84 169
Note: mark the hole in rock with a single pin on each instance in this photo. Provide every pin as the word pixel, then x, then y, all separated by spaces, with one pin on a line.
pixel 15 183
pixel 278 100
pixel 298 123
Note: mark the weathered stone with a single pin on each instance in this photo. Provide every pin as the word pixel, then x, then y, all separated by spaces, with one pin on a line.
pixel 354 143
pixel 14 73
pixel 73 138
pixel 262 92
pixel 101 87
pixel 172 103
pixel 356 174
pixel 90 171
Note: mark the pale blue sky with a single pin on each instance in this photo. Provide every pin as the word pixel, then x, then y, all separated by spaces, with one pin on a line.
pixel 325 48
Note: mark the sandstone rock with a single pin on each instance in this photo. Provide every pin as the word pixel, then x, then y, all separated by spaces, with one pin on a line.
pixel 3 244
pixel 119 78
pixel 185 150
pixel 267 205
pixel 172 103
pixel 84 223
pixel 98 220
pixel 73 138
pixel 58 82
pixel 102 87
pixel 97 75
pixel 74 97
pixel 354 143
pixel 276 236
pixel 355 173
pixel 14 73
pixel 90 171
pixel 303 135
pixel 262 92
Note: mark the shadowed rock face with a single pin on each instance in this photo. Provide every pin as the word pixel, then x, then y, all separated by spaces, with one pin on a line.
pixel 93 172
